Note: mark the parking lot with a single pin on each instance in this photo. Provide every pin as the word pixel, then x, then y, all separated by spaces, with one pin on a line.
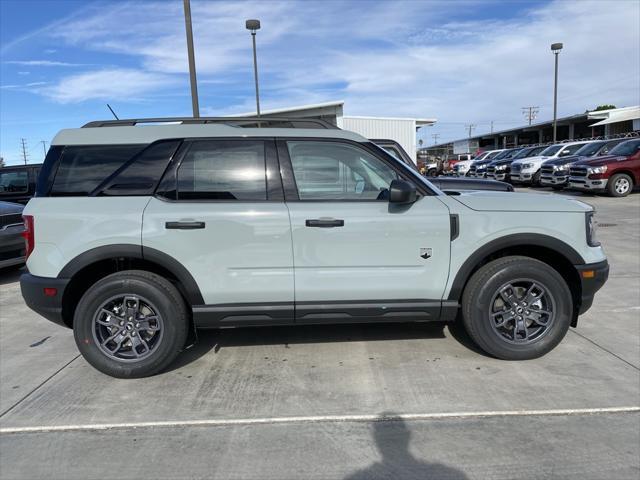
pixel 337 402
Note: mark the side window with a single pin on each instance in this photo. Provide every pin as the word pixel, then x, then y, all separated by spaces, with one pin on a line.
pixel 16 181
pixel 223 170
pixel 83 168
pixel 338 171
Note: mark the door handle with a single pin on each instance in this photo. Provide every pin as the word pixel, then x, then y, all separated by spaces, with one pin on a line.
pixel 183 225
pixel 324 223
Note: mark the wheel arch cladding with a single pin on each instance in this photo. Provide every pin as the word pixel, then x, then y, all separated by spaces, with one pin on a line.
pixel 92 265
pixel 556 253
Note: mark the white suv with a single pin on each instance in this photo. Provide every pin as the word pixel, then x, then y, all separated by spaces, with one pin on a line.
pixel 528 170
pixel 138 234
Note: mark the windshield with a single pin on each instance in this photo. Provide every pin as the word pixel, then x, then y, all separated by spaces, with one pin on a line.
pixel 590 149
pixel 393 152
pixel 572 149
pixel 501 155
pixel 626 148
pixel 547 152
pixel 523 153
pixel 493 155
pixel 536 151
pixel 481 156
pixel 512 153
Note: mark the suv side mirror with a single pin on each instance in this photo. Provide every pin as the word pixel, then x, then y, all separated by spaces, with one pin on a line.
pixel 402 192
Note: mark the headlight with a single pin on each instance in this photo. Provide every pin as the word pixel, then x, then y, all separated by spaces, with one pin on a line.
pixel 527 165
pixel 601 169
pixel 591 226
pixel 559 168
pixel 501 167
pixel 462 167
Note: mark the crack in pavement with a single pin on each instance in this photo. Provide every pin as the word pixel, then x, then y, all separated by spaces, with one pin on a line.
pixel 37 387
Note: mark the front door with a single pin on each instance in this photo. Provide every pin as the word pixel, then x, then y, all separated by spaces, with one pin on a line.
pixel 357 256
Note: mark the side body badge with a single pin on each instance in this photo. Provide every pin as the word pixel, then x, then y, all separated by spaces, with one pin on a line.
pixel 426 252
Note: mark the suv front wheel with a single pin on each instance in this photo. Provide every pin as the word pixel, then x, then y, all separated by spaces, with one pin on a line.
pixel 131 324
pixel 517 308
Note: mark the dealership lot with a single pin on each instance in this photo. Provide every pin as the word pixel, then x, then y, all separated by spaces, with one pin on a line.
pixel 302 402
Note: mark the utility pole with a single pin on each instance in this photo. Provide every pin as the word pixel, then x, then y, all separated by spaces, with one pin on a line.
pixel 491 126
pixel 435 138
pixel 44 147
pixel 25 154
pixel 530 113
pixel 192 60
pixel 471 127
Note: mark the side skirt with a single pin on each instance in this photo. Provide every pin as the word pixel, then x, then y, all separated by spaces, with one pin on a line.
pixel 313 313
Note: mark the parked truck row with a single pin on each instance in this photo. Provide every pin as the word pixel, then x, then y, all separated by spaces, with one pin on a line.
pixel 601 165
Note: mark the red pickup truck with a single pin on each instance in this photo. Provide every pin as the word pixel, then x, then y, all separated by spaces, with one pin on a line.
pixel 617 173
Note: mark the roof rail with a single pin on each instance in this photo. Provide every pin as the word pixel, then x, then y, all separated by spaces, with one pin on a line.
pixel 244 122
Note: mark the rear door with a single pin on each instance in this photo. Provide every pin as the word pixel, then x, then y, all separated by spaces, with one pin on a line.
pixel 220 212
pixel 356 256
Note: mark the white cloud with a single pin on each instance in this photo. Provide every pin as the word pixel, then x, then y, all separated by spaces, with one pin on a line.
pixel 45 63
pixel 107 84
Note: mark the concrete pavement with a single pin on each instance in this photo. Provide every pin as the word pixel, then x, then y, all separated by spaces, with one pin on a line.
pixel 283 372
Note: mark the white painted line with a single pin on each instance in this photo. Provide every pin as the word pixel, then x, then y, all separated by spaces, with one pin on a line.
pixel 318 418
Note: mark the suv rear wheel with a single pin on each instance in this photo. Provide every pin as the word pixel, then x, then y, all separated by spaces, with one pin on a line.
pixel 620 185
pixel 131 324
pixel 517 308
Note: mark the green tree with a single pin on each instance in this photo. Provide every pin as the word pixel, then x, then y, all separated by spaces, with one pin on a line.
pixel 603 107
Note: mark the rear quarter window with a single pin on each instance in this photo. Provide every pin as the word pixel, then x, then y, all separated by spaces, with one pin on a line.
pixel 82 168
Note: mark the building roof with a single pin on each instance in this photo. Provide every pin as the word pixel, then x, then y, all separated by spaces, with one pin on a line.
pixel 615 115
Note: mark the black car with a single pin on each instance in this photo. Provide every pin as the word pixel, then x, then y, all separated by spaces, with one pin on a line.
pixel 18 183
pixel 12 246
pixel 555 173
pixel 479 169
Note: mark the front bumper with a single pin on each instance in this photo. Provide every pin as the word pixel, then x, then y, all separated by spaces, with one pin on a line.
pixel 522 177
pixel 555 180
pixel 501 176
pixel 33 292
pixel 592 277
pixel 588 184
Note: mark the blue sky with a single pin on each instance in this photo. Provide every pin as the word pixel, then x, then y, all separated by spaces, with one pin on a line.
pixel 459 61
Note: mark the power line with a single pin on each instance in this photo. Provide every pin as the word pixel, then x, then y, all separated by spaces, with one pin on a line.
pixel 25 154
pixel 471 127
pixel 435 137
pixel 530 113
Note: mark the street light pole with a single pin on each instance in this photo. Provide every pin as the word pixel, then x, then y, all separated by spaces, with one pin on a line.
pixel 555 48
pixel 192 59
pixel 253 26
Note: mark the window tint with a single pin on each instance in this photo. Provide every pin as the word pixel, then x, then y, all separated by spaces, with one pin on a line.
pixel 141 175
pixel 83 168
pixel 336 171
pixel 16 181
pixel 626 148
pixel 223 170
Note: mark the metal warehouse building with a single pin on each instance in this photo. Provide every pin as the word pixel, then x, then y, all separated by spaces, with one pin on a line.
pixel 402 130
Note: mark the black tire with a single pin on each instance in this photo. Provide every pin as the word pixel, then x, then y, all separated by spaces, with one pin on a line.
pixel 620 185
pixel 432 173
pixel 535 180
pixel 149 287
pixel 485 284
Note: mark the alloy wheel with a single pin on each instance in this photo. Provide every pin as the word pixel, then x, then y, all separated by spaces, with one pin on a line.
pixel 622 186
pixel 127 328
pixel 522 311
